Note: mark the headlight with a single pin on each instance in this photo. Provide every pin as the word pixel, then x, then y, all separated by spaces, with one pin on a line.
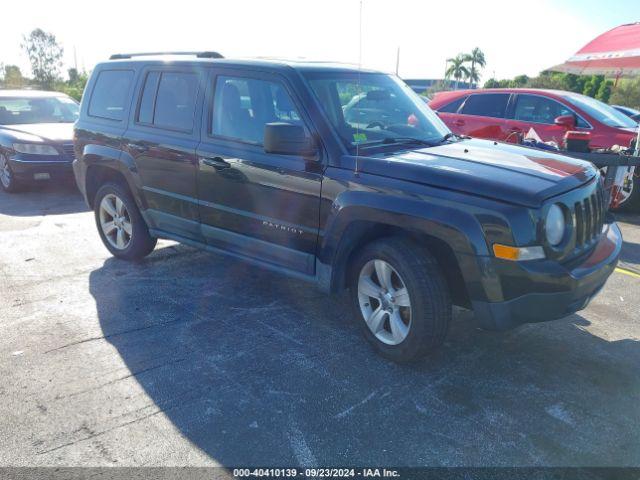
pixel 554 225
pixel 35 149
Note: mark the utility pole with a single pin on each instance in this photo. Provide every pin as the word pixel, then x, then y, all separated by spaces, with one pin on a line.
pixel 397 60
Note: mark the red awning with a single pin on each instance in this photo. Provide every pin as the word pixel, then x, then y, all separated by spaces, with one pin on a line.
pixel 615 53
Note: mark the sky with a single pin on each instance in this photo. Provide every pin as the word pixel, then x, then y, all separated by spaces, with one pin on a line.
pixel 517 37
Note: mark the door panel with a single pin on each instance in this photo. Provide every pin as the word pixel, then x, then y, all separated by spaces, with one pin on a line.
pixel 162 139
pixel 265 206
pixel 482 116
pixel 539 112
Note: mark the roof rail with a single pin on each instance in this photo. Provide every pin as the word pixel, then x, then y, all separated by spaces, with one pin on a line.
pixel 119 56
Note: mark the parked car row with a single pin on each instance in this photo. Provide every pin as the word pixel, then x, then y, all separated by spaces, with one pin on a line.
pixel 506 114
pixel 341 177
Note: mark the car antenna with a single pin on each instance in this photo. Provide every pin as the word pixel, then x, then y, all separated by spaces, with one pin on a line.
pixel 357 172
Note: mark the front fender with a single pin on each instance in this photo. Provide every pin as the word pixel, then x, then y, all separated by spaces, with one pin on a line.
pixel 459 229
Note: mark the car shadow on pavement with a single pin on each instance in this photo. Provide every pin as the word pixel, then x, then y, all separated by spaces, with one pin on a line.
pixel 257 369
pixel 43 199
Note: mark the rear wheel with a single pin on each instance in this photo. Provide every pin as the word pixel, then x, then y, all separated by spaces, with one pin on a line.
pixel 8 181
pixel 400 298
pixel 120 224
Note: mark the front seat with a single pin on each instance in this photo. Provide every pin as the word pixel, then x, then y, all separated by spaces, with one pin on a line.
pixel 234 121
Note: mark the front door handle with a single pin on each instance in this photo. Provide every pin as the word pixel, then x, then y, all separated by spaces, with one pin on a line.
pixel 216 162
pixel 458 123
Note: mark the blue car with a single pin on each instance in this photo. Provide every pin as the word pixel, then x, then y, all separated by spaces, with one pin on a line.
pixel 36 137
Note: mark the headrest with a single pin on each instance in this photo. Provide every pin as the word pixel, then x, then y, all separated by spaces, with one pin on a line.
pixel 230 97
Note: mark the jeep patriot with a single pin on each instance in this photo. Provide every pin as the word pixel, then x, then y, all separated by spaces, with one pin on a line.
pixel 346 178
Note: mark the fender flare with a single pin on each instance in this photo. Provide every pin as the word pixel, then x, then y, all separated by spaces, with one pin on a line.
pixel 459 229
pixel 115 159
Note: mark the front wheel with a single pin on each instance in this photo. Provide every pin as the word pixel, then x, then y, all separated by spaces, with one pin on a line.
pixel 120 224
pixel 8 180
pixel 401 299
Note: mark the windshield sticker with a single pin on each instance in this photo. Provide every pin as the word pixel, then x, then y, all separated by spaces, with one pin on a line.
pixel 359 137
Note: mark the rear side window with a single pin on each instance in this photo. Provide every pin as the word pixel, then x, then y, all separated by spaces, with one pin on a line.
pixel 486 105
pixel 453 106
pixel 169 100
pixel 110 94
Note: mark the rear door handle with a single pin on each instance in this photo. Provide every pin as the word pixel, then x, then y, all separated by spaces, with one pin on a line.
pixel 216 162
pixel 458 123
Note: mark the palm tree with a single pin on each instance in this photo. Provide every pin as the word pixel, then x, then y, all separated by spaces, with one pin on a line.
pixel 474 75
pixel 476 57
pixel 456 68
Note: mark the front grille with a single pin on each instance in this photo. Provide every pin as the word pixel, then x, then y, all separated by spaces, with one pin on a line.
pixel 67 148
pixel 589 216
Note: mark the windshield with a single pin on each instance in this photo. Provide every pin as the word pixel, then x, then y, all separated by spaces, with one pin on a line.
pixel 601 111
pixel 375 109
pixel 25 110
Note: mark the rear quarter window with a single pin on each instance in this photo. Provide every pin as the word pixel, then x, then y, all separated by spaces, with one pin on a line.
pixel 110 94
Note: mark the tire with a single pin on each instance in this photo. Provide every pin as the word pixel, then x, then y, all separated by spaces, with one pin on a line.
pixel 8 181
pixel 426 320
pixel 632 204
pixel 123 231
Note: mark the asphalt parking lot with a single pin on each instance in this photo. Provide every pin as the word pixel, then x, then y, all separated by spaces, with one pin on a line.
pixel 195 359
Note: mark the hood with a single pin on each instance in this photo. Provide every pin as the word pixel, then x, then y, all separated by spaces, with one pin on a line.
pixel 500 171
pixel 50 132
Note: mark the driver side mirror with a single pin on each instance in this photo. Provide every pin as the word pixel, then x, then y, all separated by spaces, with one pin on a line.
pixel 566 121
pixel 287 139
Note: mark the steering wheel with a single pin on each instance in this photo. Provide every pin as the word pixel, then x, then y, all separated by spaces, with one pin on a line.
pixel 376 124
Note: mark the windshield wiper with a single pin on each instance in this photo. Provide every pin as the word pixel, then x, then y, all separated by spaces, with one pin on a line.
pixel 394 140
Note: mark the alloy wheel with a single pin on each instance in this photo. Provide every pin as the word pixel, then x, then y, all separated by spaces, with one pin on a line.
pixel 5 172
pixel 384 302
pixel 115 221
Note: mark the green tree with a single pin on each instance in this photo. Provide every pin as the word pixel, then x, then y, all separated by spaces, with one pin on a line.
pixel 13 77
pixel 456 68
pixel 45 55
pixel 491 83
pixel 73 75
pixel 592 85
pixel 626 93
pixel 476 57
pixel 604 92
pixel 520 81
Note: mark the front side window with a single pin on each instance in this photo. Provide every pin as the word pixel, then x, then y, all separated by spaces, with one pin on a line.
pixel 242 107
pixel 110 94
pixel 29 110
pixel 486 105
pixel 537 109
pixel 602 112
pixel 368 109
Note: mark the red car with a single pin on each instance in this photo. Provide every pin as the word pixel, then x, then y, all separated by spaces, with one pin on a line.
pixel 505 113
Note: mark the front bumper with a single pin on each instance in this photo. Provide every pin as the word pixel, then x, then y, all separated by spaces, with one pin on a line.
pixel 538 291
pixel 26 167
